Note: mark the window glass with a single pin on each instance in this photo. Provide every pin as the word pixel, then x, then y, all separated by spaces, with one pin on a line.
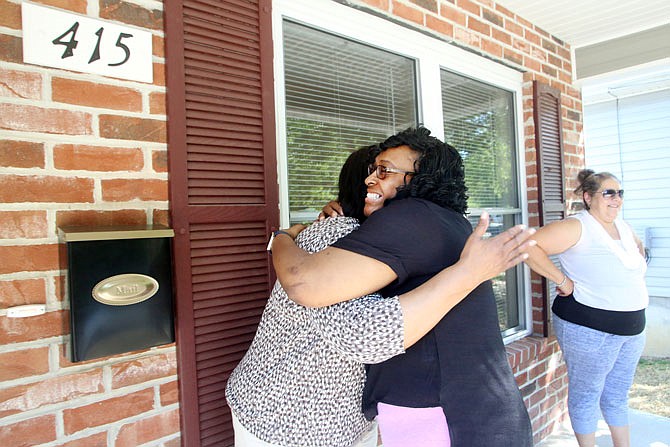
pixel 479 123
pixel 340 95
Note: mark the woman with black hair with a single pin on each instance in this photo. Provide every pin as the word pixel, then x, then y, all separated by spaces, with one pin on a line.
pixel 454 385
pixel 301 381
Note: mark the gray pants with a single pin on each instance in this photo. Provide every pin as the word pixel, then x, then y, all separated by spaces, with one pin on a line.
pixel 601 368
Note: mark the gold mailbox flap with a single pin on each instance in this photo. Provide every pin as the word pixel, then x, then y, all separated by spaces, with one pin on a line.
pixel 126 289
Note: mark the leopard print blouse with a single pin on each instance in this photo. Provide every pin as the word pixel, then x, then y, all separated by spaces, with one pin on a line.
pixel 300 383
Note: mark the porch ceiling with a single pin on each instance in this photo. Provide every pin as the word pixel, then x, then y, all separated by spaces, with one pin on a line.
pixel 585 22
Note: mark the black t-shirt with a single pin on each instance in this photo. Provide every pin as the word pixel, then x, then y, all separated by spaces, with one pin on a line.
pixel 460 365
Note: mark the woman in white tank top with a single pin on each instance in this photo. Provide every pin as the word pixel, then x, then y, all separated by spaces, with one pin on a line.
pixel 599 311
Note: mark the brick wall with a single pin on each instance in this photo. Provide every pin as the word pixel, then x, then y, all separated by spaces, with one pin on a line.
pixel 498 33
pixel 77 149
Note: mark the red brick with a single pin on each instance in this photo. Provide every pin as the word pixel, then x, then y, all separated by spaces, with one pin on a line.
pixel 504 10
pixel 452 14
pixel 143 369
pixel 20 84
pixel 157 46
pixel 441 26
pixel 25 363
pixel 522 45
pixel 100 218
pixel 96 440
pixel 18 330
pixel 97 158
pixel 21 154
pixel 23 224
pixel 380 4
pixel 10 14
pixel 36 119
pixel 159 161
pixel 479 26
pixel 531 64
pixel 492 48
pixel 467 37
pixel 532 37
pixel 129 128
pixel 59 287
pixel 50 391
pixel 161 217
pixel 513 28
pixel 176 442
pixel 169 393
pixel 28 258
pixel 108 411
pixel 124 190
pixel 71 5
pixel 22 291
pixel 148 429
pixel 132 14
pixel 492 17
pixel 159 73
pixel 22 188
pixel 469 6
pixel 29 433
pixel 407 12
pixel 501 36
pixel 513 56
pixel 64 361
pixel 157 103
pixel 92 94
pixel 11 48
pixel 430 5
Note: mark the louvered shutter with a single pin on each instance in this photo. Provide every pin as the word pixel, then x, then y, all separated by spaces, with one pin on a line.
pixel 549 144
pixel 224 195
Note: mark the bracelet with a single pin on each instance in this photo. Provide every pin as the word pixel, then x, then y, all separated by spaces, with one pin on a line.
pixel 274 235
pixel 565 278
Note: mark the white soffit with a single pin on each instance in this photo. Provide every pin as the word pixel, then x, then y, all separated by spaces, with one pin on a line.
pixel 585 22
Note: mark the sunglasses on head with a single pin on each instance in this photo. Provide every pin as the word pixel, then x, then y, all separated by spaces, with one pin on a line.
pixel 611 193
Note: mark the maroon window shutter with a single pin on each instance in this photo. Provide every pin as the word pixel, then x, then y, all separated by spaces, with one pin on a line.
pixel 549 141
pixel 223 195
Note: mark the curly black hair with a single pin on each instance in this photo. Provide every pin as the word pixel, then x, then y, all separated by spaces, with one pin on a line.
pixel 351 183
pixel 440 174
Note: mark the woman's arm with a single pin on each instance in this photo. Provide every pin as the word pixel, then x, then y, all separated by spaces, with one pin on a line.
pixel 638 241
pixel 372 329
pixel 554 238
pixel 335 275
pixel 327 277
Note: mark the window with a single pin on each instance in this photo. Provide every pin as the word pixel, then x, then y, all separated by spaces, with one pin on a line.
pixel 340 95
pixel 479 123
pixel 347 78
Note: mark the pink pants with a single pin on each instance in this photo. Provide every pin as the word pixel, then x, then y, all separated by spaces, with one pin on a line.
pixel 404 426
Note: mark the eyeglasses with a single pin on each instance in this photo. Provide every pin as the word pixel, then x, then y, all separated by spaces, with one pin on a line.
pixel 611 193
pixel 382 171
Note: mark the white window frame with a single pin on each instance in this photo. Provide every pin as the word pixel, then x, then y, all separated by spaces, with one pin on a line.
pixel 431 54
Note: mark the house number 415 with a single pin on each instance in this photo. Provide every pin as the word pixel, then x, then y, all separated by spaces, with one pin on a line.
pixel 71 43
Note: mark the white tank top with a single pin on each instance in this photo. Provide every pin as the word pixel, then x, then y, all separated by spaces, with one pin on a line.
pixel 608 274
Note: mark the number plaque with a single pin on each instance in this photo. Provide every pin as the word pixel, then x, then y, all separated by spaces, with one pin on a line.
pixel 74 42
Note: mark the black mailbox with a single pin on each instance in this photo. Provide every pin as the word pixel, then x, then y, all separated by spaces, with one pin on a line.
pixel 120 289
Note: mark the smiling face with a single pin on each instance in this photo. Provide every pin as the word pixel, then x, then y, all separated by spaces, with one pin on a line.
pixel 400 158
pixel 602 208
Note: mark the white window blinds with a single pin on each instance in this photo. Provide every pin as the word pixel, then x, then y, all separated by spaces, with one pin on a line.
pixel 479 123
pixel 340 95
